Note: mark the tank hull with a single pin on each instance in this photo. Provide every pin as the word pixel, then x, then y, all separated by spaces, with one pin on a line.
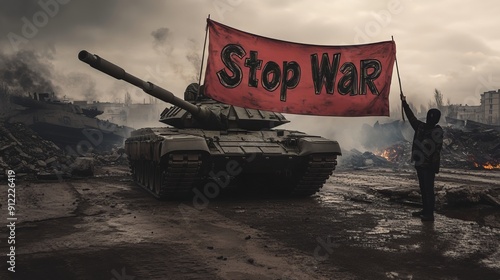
pixel 68 129
pixel 68 125
pixel 174 163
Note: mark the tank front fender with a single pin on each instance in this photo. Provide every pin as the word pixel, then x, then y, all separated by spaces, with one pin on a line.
pixel 318 145
pixel 182 144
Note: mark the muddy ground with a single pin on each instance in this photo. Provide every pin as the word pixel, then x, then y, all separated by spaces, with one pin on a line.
pixel 358 227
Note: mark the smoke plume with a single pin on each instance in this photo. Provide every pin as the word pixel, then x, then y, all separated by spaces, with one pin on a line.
pixel 160 35
pixel 26 71
pixel 80 86
pixel 183 58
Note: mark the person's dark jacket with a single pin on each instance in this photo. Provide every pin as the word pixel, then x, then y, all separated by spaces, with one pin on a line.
pixel 428 139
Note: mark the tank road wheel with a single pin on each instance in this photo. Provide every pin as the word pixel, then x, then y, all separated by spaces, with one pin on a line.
pixel 158 180
pixel 150 175
pixel 143 172
pixel 138 171
pixel 132 165
pixel 172 178
pixel 135 173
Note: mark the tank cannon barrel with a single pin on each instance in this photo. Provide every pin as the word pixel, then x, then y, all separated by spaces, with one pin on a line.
pixel 201 114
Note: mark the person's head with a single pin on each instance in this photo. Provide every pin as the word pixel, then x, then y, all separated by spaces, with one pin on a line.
pixel 433 116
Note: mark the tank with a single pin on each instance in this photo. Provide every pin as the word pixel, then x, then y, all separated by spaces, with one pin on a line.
pixel 67 124
pixel 208 146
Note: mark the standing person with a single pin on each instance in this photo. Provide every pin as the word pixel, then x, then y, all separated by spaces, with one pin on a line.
pixel 426 149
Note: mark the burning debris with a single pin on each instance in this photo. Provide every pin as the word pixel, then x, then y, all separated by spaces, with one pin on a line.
pixel 395 153
pixel 354 159
pixel 487 165
pixel 467 147
pixel 476 149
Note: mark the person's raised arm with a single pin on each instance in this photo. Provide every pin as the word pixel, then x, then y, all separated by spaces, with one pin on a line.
pixel 409 114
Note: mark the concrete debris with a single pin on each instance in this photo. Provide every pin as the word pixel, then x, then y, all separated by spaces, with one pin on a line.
pixel 23 151
pixel 363 198
pixel 477 149
pixel 9 135
pixel 28 154
pixel 469 195
pixel 462 196
pixel 390 145
pixel 354 159
pixel 83 167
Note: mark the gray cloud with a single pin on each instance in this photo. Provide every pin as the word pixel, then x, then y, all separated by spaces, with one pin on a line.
pixel 445 44
pixel 160 35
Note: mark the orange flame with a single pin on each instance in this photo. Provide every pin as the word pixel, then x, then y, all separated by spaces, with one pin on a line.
pixel 389 154
pixel 491 166
pixel 385 154
pixel 488 165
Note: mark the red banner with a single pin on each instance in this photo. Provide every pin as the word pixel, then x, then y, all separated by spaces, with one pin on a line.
pixel 255 72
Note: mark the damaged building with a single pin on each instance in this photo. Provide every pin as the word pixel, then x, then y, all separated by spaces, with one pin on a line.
pixel 488 112
pixel 135 115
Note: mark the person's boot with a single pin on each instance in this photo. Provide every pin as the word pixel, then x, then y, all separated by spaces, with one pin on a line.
pixel 425 218
pixel 417 214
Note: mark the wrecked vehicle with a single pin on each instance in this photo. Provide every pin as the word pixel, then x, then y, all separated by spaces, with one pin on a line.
pixel 66 124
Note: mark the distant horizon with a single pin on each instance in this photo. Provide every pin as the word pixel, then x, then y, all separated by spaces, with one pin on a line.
pixel 147 98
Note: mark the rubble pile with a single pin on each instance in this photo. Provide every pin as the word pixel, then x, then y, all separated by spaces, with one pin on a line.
pixel 471 149
pixel 116 156
pixel 25 152
pixel 385 135
pixel 463 147
pixel 354 159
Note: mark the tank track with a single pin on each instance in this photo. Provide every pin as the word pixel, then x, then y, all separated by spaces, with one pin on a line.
pixel 173 179
pixel 318 169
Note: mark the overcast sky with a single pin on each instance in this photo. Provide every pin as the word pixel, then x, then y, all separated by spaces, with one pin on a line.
pixel 448 45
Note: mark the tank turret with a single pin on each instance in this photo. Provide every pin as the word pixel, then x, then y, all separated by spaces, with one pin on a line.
pixel 197 111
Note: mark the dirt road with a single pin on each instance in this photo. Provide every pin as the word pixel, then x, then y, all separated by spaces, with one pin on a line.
pixel 358 227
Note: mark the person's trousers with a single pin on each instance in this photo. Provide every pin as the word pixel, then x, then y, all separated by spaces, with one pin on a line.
pixel 426 178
